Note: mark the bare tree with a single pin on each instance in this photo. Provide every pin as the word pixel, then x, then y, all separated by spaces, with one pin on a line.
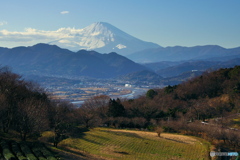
pixel 4 121
pixel 139 122
pixel 61 117
pixel 93 111
pixel 10 85
pixel 31 117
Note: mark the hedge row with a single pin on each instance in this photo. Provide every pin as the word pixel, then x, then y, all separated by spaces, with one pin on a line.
pixel 11 150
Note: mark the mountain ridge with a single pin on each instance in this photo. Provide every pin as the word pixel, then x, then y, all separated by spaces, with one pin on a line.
pixel 53 60
pixel 179 53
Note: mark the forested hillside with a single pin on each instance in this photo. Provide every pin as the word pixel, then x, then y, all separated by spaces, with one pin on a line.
pixel 210 95
pixel 207 106
pixel 26 110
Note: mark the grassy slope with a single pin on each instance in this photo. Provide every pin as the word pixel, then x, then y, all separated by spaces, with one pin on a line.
pixel 124 144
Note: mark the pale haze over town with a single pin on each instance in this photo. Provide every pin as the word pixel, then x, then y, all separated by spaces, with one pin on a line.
pixel 167 23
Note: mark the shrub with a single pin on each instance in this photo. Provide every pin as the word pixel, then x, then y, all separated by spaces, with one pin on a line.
pixel 159 130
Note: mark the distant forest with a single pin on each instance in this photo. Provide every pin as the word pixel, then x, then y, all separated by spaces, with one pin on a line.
pixel 197 107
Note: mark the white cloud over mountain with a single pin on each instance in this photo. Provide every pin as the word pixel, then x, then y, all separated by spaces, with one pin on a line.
pixel 102 37
pixel 30 35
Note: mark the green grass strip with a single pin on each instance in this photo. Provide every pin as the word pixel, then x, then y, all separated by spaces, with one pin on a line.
pixel 7 154
pixel 27 151
pixel 16 150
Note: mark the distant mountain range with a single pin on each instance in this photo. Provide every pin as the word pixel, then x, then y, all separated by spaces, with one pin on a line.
pixel 51 60
pixel 192 66
pixel 124 56
pixel 178 53
pixel 103 38
pixel 179 71
pixel 44 59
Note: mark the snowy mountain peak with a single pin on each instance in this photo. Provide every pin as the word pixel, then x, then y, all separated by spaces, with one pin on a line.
pixel 98 28
pixel 102 26
pixel 104 38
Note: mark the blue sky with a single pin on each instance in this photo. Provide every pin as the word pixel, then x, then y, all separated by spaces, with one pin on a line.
pixel 165 22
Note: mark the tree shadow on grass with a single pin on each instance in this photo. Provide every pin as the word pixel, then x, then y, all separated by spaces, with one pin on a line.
pixel 127 134
pixel 78 132
pixel 175 140
pixel 91 141
pixel 125 153
pixel 66 150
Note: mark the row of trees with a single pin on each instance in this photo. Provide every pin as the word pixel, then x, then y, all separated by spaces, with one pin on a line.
pixel 209 131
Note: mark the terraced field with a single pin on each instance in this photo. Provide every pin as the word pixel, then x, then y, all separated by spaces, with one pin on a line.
pixel 12 150
pixel 124 144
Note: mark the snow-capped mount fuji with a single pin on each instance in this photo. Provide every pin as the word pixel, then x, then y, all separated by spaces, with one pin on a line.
pixel 102 37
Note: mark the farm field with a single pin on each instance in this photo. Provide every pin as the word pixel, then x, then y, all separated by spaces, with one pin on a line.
pixel 115 144
pixel 81 94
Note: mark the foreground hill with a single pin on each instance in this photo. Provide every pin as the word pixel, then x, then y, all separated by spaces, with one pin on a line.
pixel 213 96
pixel 52 60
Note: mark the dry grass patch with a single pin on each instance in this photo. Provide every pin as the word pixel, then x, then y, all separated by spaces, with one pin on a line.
pixel 153 135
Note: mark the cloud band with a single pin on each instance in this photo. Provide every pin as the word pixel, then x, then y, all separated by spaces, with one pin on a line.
pixel 64 12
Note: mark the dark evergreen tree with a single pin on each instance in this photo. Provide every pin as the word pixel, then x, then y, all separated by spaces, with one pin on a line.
pixel 151 93
pixel 115 108
pixel 169 89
